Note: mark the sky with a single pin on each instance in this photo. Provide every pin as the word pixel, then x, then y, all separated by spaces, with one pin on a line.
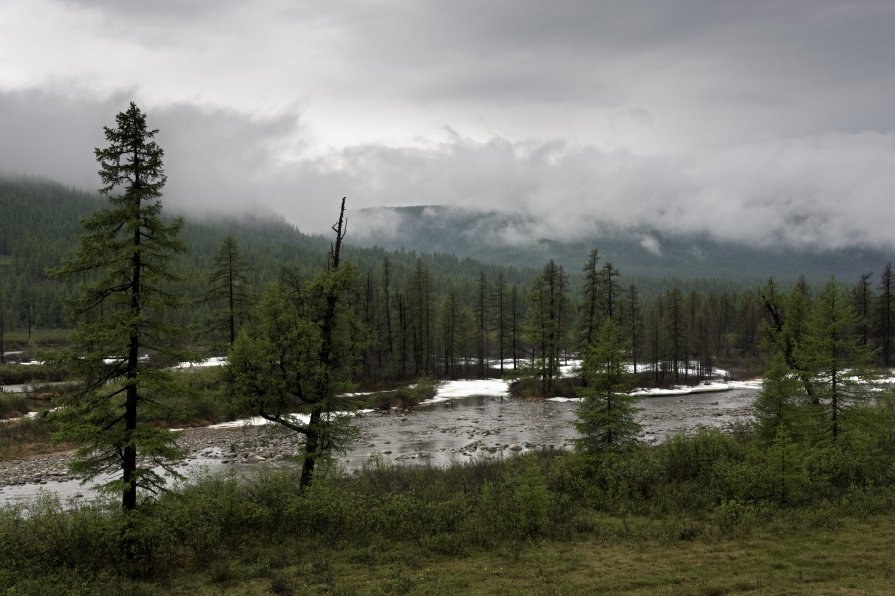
pixel 760 122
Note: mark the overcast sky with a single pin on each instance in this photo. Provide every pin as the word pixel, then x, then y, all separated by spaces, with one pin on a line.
pixel 759 121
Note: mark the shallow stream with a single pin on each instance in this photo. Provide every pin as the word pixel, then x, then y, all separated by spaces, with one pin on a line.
pixel 468 420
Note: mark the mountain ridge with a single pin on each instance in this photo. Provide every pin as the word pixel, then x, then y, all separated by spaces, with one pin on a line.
pixel 507 239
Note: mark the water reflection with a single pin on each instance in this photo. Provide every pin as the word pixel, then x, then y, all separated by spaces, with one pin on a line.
pixel 468 428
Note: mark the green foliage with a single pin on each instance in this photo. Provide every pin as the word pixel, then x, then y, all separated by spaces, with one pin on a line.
pixel 516 504
pixel 229 284
pixel 12 405
pixel 785 469
pixel 14 374
pixel 299 355
pixel 124 265
pixel 833 358
pixel 781 405
pixel 710 484
pixel 546 322
pixel 407 397
pixel 275 366
pixel 606 415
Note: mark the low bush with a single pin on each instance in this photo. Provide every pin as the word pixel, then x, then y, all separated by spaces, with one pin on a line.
pixel 12 405
pixel 407 397
pixel 30 436
pixel 709 484
pixel 17 374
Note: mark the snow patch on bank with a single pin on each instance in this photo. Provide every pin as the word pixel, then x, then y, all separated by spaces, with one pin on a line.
pixel 292 418
pixel 208 362
pixel 457 389
pixel 707 387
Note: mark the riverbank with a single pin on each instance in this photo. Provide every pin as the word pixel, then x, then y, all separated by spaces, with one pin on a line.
pixel 462 424
pixel 238 445
pixel 701 514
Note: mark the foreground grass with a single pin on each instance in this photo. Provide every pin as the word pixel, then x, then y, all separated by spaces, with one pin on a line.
pixel 711 513
pixel 619 556
pixel 695 515
pixel 852 556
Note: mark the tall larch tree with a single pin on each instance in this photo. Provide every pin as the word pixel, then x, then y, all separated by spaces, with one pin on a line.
pixel 501 322
pixel 123 262
pixel 831 355
pixel 633 317
pixel 590 306
pixel 547 299
pixel 886 317
pixel 863 301
pixel 228 283
pixel 481 322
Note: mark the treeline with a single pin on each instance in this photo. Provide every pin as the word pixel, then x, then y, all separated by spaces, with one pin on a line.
pixel 478 327
pixel 435 315
pixel 40 223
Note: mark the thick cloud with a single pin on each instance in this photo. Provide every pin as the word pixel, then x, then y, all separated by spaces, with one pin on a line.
pixel 823 191
pixel 762 122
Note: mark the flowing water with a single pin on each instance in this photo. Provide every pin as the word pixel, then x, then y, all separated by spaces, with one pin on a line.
pixel 468 420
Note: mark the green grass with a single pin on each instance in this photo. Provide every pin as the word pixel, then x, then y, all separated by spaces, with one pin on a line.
pixel 620 557
pixel 12 405
pixel 16 374
pixel 710 513
pixel 853 559
pixel 26 438
pixel 637 523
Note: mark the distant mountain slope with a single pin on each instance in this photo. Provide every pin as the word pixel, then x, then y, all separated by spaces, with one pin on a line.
pixel 40 223
pixel 505 238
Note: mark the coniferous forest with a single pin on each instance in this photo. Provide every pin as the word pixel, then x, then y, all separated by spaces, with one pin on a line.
pixel 103 294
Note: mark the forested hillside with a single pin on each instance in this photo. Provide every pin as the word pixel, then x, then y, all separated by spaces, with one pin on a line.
pixel 40 222
pixel 435 314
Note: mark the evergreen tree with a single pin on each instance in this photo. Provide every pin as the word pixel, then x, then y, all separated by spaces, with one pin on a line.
pixel 609 291
pixel 590 319
pixel 863 298
pixel 677 338
pixel 886 319
pixel 780 406
pixel 388 336
pixel 546 303
pixel 606 414
pixel 833 358
pixel 481 321
pixel 228 283
pixel 124 261
pixel 501 322
pixel 633 323
pixel 299 355
pixel 517 316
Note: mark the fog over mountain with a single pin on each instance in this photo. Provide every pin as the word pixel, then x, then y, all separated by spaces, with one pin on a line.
pixel 510 239
pixel 765 124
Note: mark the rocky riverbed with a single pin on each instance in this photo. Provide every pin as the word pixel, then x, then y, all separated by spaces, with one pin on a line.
pixel 456 429
pixel 246 445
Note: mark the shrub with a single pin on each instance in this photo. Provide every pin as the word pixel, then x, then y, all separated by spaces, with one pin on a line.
pixel 407 397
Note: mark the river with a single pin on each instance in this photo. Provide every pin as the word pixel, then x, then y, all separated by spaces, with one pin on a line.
pixel 466 420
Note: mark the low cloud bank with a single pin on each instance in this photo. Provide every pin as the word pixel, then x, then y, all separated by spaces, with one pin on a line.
pixel 821 191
